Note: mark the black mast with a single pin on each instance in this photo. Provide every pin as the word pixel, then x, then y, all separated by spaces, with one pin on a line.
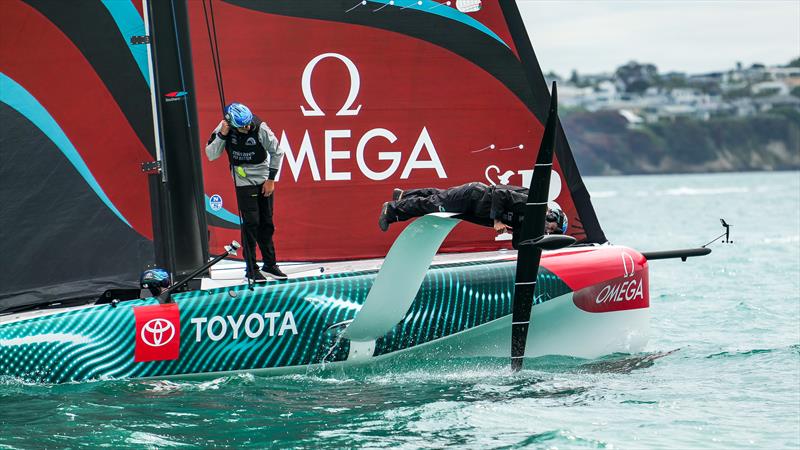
pixel 179 221
pixel 533 238
pixel 532 233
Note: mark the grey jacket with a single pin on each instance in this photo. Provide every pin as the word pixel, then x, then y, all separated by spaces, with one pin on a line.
pixel 255 174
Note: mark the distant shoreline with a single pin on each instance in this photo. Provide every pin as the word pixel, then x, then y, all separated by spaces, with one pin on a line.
pixel 732 172
pixel 605 143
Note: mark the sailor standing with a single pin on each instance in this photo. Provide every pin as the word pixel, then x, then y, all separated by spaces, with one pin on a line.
pixel 254 157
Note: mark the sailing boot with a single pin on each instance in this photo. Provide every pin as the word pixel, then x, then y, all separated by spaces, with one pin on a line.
pixel 273 272
pixel 397 194
pixel 257 277
pixel 387 216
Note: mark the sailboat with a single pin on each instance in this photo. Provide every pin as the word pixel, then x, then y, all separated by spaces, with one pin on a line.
pixel 447 93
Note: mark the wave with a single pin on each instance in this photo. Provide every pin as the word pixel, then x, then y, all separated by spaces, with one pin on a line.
pixel 153 440
pixel 687 191
pixel 177 385
pixel 395 371
pixel 604 194
pixel 564 437
pixel 624 363
pixel 795 348
pixel 482 369
pixel 782 240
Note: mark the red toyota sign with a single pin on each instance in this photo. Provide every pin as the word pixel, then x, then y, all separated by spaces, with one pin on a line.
pixel 158 332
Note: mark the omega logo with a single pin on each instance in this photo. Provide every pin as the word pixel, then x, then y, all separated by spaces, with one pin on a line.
pixel 355 85
pixel 338 143
pixel 627 265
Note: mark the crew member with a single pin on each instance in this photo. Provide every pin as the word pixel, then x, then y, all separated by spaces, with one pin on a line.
pixel 254 157
pixel 155 280
pixel 500 207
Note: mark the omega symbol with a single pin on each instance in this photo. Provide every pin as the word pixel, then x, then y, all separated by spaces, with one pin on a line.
pixel 355 85
pixel 628 265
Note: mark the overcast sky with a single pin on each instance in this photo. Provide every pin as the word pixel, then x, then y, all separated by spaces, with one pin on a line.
pixel 688 35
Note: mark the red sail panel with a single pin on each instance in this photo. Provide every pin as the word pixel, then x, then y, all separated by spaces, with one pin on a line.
pixel 364 102
pixel 77 126
pixel 100 132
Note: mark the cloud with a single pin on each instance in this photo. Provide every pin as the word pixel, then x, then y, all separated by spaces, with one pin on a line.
pixel 691 36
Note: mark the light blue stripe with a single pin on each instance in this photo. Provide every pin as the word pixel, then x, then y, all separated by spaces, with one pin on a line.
pixel 448 12
pixel 20 99
pixel 223 213
pixel 130 23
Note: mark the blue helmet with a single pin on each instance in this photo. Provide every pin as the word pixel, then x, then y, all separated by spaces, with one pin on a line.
pixel 557 215
pixel 155 278
pixel 238 115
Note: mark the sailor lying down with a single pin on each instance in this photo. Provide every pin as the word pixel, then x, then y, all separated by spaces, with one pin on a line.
pixel 498 206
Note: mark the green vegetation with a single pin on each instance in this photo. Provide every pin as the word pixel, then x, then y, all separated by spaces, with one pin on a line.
pixel 604 143
pixel 717 121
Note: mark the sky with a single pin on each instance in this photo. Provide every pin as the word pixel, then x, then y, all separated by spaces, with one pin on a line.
pixel 692 36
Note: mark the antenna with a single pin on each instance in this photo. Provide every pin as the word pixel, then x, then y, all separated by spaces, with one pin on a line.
pixel 726 234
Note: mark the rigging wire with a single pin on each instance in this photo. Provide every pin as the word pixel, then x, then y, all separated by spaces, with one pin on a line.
pixel 217 62
pixel 211 28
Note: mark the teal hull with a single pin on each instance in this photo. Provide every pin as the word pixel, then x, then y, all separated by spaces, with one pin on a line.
pixel 280 325
pixel 588 302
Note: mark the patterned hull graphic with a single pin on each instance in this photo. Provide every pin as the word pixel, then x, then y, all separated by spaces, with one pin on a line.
pixel 280 325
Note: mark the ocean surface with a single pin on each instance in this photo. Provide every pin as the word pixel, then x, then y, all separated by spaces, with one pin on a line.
pixel 721 370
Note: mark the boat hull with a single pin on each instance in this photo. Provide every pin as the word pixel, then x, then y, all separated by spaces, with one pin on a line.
pixel 588 303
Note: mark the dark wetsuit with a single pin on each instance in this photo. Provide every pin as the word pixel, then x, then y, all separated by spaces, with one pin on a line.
pixel 479 203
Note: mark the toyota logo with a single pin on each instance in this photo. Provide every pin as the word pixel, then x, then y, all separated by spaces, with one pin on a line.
pixel 158 332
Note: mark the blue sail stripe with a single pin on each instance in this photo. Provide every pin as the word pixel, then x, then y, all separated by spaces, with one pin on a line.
pixel 130 23
pixel 17 97
pixel 433 7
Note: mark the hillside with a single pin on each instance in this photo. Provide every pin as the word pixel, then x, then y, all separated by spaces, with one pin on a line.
pixel 604 143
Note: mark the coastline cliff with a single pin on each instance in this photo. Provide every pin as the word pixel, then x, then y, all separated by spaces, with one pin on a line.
pixel 605 143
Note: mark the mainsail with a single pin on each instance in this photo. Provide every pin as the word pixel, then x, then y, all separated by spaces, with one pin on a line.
pixel 364 96
pixel 368 96
pixel 75 108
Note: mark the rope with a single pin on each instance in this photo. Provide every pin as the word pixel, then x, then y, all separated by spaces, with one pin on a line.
pixel 211 28
pixel 217 62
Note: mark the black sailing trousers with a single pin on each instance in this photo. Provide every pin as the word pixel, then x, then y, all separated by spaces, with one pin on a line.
pixel 257 226
pixel 465 199
pixel 461 199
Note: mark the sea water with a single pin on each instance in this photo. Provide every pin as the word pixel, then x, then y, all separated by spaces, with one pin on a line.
pixel 722 369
